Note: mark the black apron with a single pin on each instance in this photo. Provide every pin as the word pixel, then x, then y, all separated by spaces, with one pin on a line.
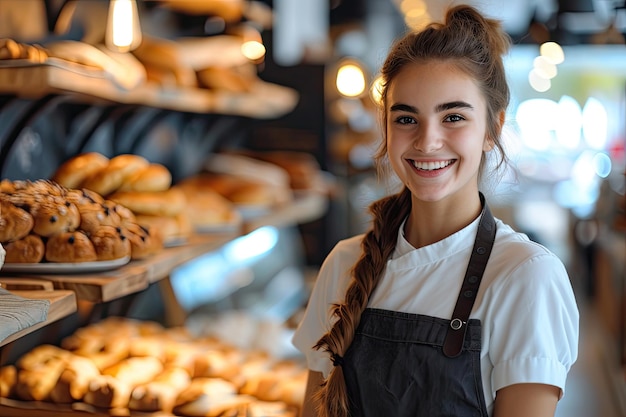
pixel 402 364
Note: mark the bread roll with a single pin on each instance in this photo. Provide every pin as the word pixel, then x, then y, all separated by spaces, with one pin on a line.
pixel 30 249
pixel 54 215
pixel 110 243
pixel 39 371
pixel 158 203
pixel 74 381
pixel 111 177
pixel 106 391
pixel 15 223
pixel 160 394
pixel 207 209
pixel 209 397
pixel 70 247
pixel 237 190
pixel 95 215
pixel 153 178
pixel 144 241
pixel 75 170
pixel 170 228
pixel 8 380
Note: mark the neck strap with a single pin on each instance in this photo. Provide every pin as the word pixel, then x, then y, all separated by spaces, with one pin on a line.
pixel 453 343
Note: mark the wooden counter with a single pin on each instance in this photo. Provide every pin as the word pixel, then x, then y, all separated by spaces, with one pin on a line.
pixel 62 303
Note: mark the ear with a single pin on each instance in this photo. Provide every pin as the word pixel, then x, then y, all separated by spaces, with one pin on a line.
pixel 490 142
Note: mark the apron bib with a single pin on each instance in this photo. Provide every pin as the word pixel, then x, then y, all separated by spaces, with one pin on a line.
pixel 402 364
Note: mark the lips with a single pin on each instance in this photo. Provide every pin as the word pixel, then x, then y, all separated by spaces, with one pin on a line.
pixel 431 165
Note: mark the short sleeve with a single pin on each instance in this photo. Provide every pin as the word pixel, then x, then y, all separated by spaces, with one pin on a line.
pixel 330 286
pixel 534 335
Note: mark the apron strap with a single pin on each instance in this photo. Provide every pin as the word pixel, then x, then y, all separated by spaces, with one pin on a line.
pixel 485 237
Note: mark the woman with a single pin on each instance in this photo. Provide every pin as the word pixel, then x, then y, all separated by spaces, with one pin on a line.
pixel 440 309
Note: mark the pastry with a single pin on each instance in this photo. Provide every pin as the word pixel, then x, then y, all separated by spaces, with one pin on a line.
pixel 110 243
pixel 8 379
pixel 208 397
pixel 108 179
pixel 158 203
pixel 73 172
pixel 74 380
pixel 154 177
pixel 160 394
pixel 54 215
pixel 144 241
pixel 30 249
pixel 70 247
pixel 15 223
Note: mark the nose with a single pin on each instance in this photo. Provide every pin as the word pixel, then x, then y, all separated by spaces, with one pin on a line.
pixel 428 138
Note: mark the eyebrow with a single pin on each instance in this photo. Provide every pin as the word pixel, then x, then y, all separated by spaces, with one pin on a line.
pixel 438 108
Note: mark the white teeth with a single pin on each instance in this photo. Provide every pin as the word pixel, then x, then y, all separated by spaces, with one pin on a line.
pixel 430 166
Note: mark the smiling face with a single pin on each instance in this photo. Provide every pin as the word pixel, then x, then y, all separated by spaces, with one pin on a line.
pixel 436 131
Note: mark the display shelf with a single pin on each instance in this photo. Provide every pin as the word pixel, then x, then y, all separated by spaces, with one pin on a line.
pixel 15 408
pixel 62 304
pixel 136 275
pixel 32 80
pixel 305 206
pixel 25 284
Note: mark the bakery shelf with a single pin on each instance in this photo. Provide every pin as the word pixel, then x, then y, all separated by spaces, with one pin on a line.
pixel 15 408
pixel 136 275
pixel 32 80
pixel 306 206
pixel 62 304
pixel 25 284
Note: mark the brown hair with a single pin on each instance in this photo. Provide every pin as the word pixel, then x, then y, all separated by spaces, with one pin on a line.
pixel 475 45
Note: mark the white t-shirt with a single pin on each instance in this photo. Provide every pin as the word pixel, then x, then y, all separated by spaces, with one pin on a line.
pixel 525 303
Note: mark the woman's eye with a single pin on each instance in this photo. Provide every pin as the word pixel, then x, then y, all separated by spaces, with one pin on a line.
pixel 405 120
pixel 454 118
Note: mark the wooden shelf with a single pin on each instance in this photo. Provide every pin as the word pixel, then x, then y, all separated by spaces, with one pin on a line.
pixel 263 101
pixel 305 207
pixel 136 276
pixel 62 303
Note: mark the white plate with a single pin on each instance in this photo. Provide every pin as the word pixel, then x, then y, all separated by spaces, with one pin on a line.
pixel 219 228
pixel 173 242
pixel 252 211
pixel 65 268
